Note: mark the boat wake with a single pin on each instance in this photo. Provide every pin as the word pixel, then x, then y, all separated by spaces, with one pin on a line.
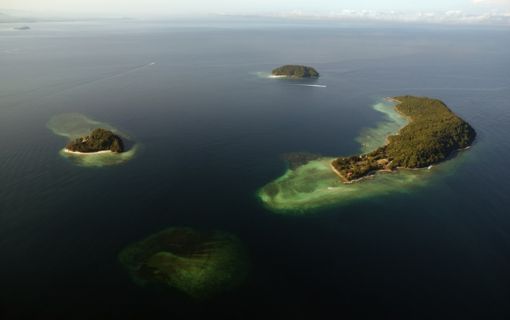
pixel 110 77
pixel 310 85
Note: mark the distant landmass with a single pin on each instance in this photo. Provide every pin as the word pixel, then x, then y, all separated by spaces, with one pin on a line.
pixel 433 134
pixel 98 140
pixel 295 71
pixel 11 16
pixel 22 28
pixel 6 18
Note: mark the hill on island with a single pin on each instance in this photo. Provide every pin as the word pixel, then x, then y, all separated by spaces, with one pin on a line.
pixel 98 140
pixel 295 71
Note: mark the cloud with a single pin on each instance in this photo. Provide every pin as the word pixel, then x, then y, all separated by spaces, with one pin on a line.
pixel 495 2
pixel 444 17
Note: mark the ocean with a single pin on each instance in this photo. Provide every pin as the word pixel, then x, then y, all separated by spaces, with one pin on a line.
pixel 211 128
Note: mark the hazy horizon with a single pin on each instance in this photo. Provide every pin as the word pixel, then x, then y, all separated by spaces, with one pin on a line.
pixel 490 12
pixel 200 7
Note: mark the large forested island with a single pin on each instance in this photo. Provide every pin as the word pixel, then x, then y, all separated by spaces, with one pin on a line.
pixel 98 140
pixel 434 132
pixel 295 71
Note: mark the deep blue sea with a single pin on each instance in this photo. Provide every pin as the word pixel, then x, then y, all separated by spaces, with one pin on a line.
pixel 212 131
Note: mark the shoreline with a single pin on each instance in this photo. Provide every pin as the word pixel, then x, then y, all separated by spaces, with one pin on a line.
pixel 278 76
pixel 373 173
pixel 409 119
pixel 391 99
pixel 87 153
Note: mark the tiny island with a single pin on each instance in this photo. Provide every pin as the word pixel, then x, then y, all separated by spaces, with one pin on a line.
pixel 432 135
pixel 99 140
pixel 295 72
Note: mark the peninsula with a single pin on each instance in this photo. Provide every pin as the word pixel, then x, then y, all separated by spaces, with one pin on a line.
pixel 99 140
pixel 295 71
pixel 432 135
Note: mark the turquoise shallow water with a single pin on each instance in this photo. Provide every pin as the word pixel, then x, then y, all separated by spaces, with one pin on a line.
pixel 212 132
pixel 314 185
pixel 373 137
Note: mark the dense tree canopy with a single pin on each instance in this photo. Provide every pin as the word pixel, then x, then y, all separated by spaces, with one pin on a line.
pixel 98 140
pixel 296 71
pixel 433 133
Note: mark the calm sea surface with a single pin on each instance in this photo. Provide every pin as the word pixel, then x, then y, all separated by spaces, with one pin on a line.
pixel 211 131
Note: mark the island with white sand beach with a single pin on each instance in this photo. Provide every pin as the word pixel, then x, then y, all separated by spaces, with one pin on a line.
pixel 433 134
pixel 415 134
pixel 92 143
pixel 99 140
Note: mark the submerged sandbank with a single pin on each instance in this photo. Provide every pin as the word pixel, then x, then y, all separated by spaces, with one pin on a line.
pixel 315 185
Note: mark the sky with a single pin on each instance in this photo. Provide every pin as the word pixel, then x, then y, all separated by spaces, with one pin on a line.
pixel 190 7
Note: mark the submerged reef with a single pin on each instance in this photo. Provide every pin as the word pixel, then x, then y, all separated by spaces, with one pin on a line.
pixel 198 264
pixel 295 71
pixel 297 159
pixel 314 185
pixel 96 152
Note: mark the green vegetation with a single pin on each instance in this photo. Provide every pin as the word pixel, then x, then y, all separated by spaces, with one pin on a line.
pixel 199 264
pixel 75 125
pixel 309 184
pixel 98 140
pixel 432 135
pixel 296 71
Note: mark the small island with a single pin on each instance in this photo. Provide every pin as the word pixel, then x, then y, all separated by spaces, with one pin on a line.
pixel 22 28
pixel 295 72
pixel 99 140
pixel 433 134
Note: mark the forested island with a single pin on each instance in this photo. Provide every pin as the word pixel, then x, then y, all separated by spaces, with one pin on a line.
pixel 98 140
pixel 295 71
pixel 434 132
